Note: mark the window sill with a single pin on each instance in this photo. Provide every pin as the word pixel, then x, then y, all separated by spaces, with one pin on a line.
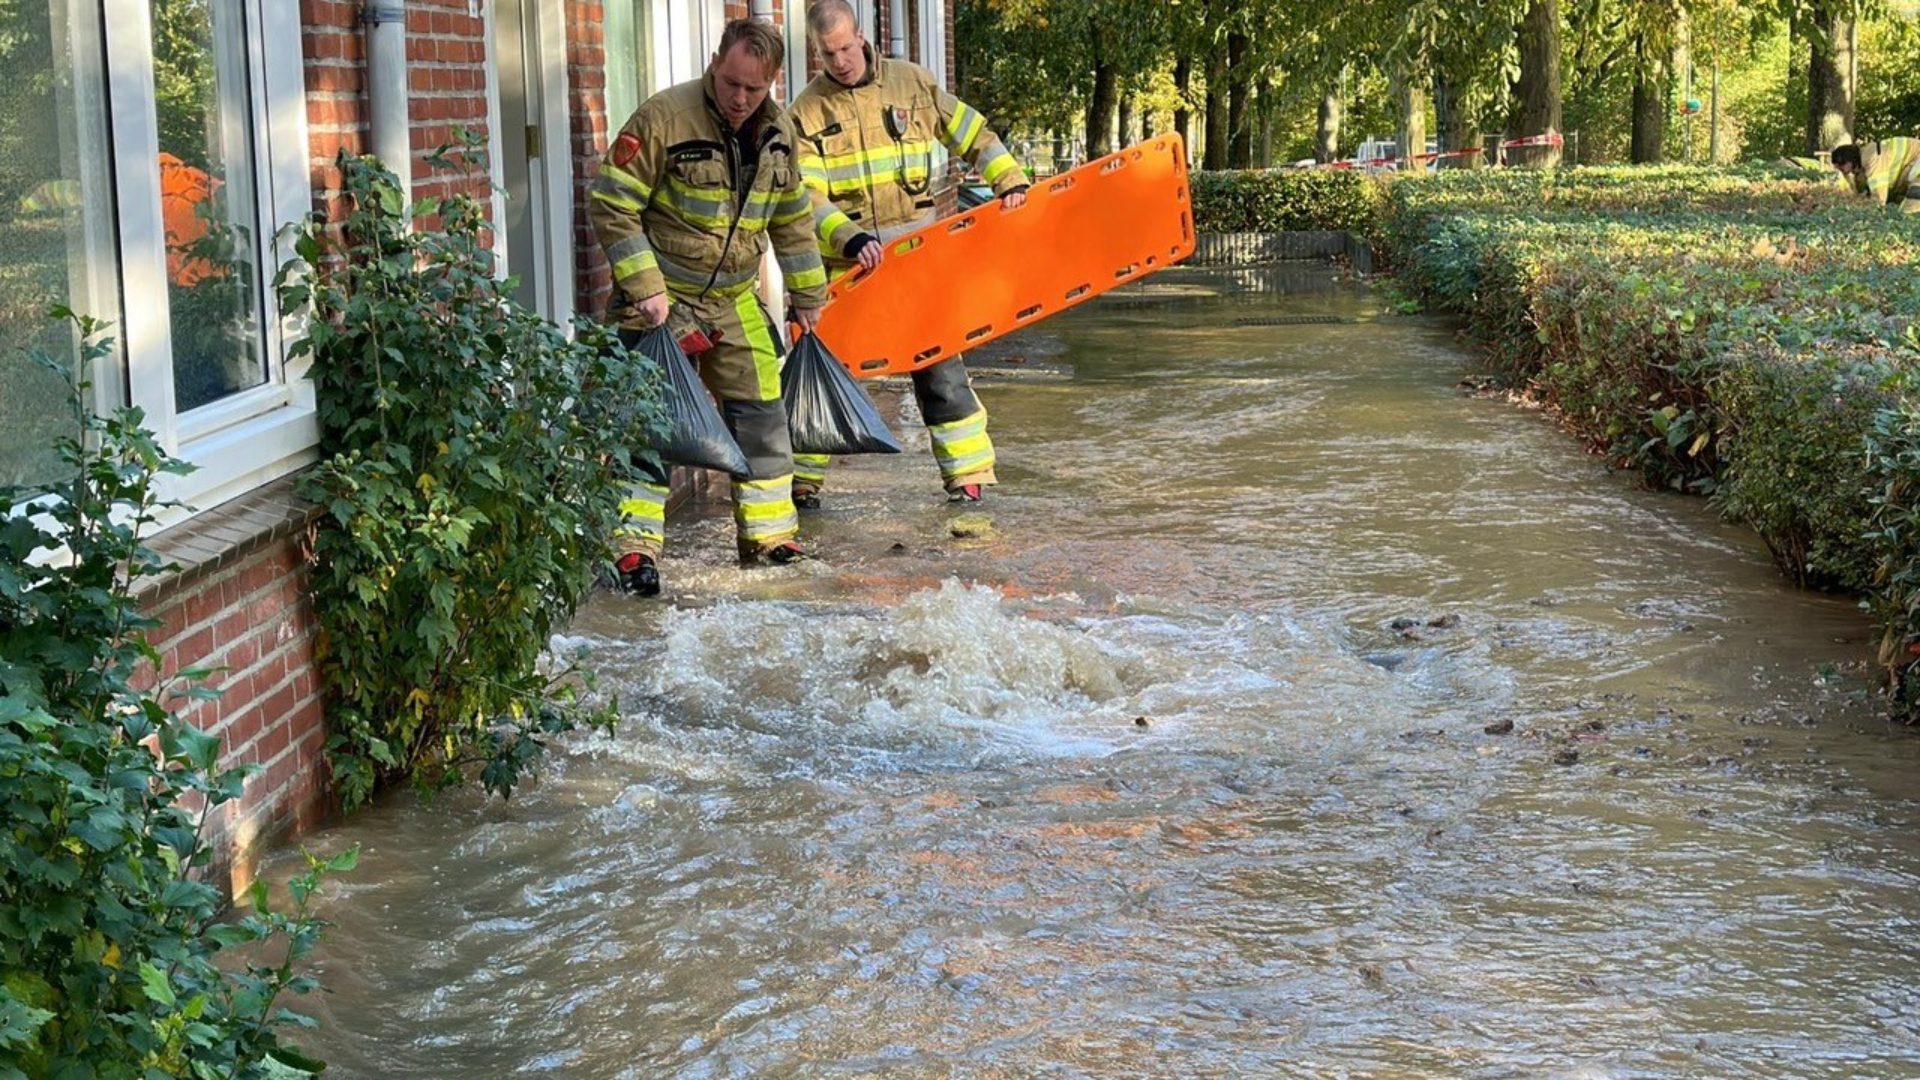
pixel 224 535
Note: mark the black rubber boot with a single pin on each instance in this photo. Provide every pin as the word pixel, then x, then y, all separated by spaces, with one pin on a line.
pixel 637 574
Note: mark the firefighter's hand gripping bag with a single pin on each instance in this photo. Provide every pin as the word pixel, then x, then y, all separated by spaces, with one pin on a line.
pixel 696 436
pixel 827 412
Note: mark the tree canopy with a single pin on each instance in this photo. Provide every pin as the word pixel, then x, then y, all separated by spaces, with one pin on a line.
pixel 1261 81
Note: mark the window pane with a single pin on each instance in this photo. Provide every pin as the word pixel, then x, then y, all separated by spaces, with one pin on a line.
pixel 53 195
pixel 629 44
pixel 208 201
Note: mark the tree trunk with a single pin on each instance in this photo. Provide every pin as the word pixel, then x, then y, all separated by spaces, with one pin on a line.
pixel 1412 104
pixel 1649 105
pixel 1239 103
pixel 1126 120
pixel 1106 94
pixel 1830 76
pixel 1263 152
pixel 1182 115
pixel 1537 93
pixel 1680 78
pixel 1326 137
pixel 1216 135
pixel 1450 115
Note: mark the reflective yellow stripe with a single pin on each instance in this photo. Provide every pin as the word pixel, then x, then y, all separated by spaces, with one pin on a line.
pixel 792 208
pixel 962 446
pixel 612 178
pixel 615 198
pixel 763 512
pixel 643 519
pixel 804 271
pixel 766 356
pixel 997 164
pixel 701 206
pixel 811 468
pixel 964 128
pixel 631 256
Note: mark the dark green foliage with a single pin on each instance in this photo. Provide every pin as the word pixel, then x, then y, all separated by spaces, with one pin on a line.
pixel 473 461
pixel 1285 201
pixel 1797 469
pixel 110 952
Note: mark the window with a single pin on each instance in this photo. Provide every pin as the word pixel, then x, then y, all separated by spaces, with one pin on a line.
pixel 209 144
pixel 654 44
pixel 56 211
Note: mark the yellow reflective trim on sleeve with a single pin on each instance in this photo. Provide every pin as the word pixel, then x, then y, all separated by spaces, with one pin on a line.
pixel 964 128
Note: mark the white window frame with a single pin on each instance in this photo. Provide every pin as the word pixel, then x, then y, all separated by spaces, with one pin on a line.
pixel 933 40
pixel 249 438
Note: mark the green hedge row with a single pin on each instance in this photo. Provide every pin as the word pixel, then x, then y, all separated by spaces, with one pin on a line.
pixel 1285 201
pixel 1747 334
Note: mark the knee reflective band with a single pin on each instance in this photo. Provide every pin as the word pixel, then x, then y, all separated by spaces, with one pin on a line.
pixel 643 520
pixel 810 470
pixel 962 447
pixel 763 513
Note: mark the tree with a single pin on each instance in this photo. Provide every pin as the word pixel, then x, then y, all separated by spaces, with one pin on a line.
pixel 1537 93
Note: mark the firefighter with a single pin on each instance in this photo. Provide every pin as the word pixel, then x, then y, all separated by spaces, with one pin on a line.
pixel 868 133
pixel 693 188
pixel 1885 171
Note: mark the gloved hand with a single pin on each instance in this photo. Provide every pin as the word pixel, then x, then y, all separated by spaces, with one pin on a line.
pixel 1014 197
pixel 694 334
pixel 865 249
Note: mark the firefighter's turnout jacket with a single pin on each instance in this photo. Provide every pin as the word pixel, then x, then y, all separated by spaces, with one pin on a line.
pixel 868 154
pixel 678 212
pixel 1888 169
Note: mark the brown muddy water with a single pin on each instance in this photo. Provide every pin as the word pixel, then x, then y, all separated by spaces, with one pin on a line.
pixel 1189 764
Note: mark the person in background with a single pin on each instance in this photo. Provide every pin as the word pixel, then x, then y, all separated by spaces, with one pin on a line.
pixel 692 189
pixel 868 130
pixel 1884 171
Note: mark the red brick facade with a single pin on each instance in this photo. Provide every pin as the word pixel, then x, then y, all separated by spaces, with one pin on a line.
pixel 447 56
pixel 238 608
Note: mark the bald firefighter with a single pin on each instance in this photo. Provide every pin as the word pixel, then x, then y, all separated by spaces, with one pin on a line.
pixel 869 131
pixel 691 191
pixel 1885 171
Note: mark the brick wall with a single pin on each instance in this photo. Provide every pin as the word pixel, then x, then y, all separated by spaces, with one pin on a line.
pixel 447 53
pixel 588 128
pixel 239 608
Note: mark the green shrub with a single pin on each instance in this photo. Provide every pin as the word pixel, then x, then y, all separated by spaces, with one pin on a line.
pixel 1795 458
pixel 1285 201
pixel 111 937
pixel 473 458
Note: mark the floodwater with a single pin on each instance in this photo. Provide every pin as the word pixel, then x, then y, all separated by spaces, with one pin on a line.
pixel 1193 760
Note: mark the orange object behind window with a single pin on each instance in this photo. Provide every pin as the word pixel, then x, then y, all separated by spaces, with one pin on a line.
pixel 183 189
pixel 963 281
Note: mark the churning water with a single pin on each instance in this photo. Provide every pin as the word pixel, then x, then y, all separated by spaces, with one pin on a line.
pixel 1286 712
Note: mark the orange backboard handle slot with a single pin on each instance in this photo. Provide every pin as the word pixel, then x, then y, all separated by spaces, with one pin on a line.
pixel 963 281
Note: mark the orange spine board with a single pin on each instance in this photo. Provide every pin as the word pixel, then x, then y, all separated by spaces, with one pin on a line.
pixel 963 281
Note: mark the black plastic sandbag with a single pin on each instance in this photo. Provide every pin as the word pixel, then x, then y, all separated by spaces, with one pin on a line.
pixel 827 412
pixel 696 435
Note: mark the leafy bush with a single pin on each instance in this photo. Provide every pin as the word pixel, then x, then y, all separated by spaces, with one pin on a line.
pixel 473 461
pixel 1285 201
pixel 111 940
pixel 1796 463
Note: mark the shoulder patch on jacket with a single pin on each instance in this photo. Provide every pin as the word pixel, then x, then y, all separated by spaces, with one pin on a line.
pixel 625 148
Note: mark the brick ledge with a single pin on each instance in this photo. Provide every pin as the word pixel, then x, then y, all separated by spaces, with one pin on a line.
pixel 225 534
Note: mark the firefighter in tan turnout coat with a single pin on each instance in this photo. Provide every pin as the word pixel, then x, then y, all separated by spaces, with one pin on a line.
pixel 869 132
pixel 693 188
